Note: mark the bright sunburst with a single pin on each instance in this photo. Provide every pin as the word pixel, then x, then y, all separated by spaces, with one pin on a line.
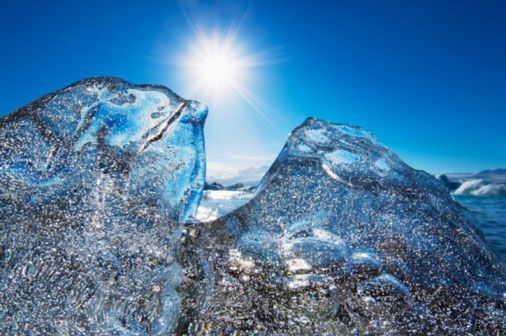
pixel 216 67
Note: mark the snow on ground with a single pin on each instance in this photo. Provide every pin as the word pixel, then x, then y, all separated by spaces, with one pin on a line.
pixel 217 203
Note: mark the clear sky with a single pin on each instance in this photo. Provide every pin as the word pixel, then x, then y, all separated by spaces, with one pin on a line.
pixel 427 77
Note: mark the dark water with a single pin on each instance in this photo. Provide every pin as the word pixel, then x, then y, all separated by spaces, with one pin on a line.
pixel 491 213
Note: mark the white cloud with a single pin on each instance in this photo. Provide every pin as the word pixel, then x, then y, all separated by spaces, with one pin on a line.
pixel 262 158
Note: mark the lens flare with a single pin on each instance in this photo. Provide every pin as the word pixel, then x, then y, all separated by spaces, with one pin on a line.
pixel 215 65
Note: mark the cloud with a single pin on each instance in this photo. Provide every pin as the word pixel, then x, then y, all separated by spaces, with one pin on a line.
pixel 227 174
pixel 220 169
pixel 262 158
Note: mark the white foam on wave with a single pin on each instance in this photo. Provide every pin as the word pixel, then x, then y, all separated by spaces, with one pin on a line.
pixel 479 187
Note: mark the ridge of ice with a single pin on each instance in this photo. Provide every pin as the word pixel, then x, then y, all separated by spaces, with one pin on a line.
pixel 347 239
pixel 95 178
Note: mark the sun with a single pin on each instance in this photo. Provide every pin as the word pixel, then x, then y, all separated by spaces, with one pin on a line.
pixel 216 65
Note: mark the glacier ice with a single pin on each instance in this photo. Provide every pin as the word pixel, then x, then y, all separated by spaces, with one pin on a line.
pixel 94 180
pixel 483 183
pixel 479 187
pixel 343 237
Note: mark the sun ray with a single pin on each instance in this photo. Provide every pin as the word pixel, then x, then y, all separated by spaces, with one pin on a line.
pixel 245 95
pixel 216 66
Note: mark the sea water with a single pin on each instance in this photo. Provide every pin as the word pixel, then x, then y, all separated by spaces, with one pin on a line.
pixel 491 214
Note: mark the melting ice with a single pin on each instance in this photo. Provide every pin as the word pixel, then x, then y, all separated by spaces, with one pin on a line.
pixel 94 179
pixel 341 237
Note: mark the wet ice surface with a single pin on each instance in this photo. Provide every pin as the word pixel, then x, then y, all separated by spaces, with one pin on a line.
pixel 343 238
pixel 94 179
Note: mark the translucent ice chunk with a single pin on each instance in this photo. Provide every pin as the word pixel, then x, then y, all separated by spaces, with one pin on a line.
pixel 346 239
pixel 93 180
pixel 342 157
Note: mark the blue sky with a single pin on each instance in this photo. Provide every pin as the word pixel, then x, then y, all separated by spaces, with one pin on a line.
pixel 427 77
